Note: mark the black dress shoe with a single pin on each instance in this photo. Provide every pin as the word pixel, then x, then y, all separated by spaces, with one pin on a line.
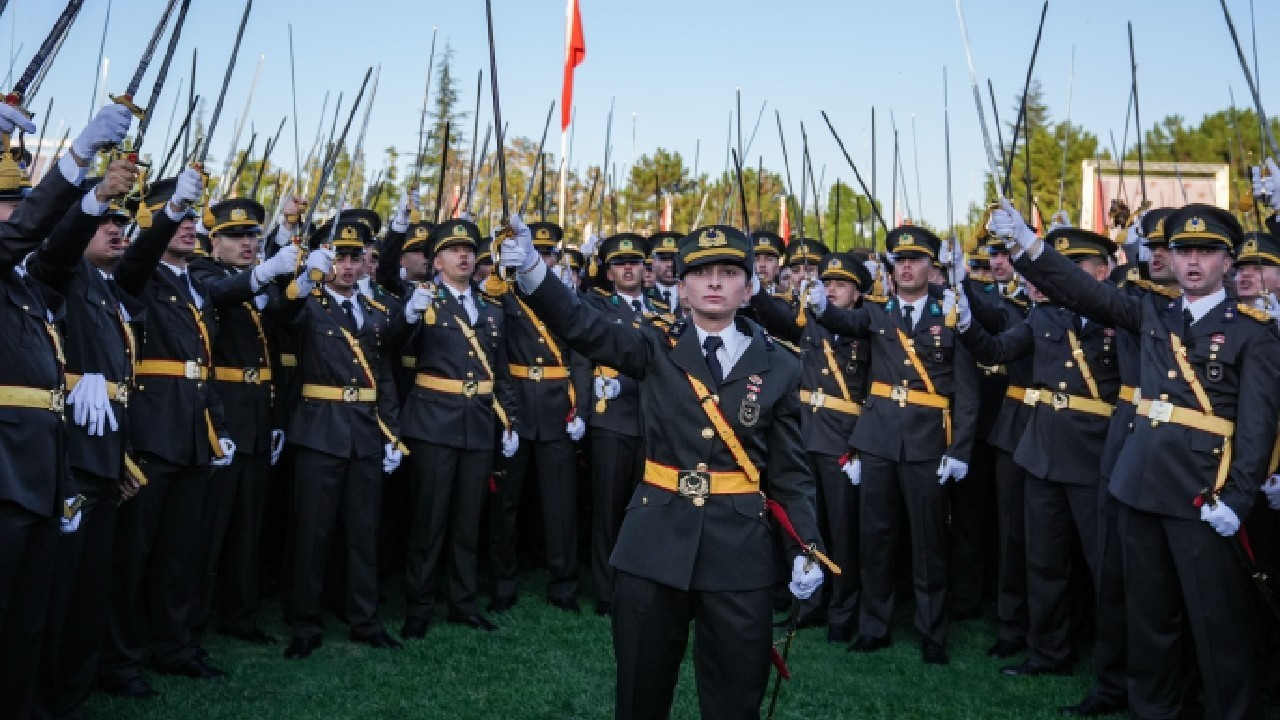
pixel 134 688
pixel 934 654
pixel 300 648
pixel 1005 649
pixel 415 628
pixel 568 604
pixel 477 621
pixel 1031 668
pixel 604 608
pixel 867 643
pixel 502 603
pixel 253 636
pixel 838 634
pixel 1094 706
pixel 194 669
pixel 379 641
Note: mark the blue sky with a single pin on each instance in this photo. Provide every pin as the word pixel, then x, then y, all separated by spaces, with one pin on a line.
pixel 676 64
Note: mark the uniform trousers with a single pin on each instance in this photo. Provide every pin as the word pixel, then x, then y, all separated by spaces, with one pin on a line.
pixel 557 486
pixel 1057 514
pixel 234 511
pixel 28 544
pixel 1011 577
pixel 838 522
pixel 617 467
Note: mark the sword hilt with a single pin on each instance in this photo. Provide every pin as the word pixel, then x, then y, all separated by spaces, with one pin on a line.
pixel 127 100
pixel 14 100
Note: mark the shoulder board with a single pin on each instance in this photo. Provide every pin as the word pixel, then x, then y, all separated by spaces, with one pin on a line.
pixel 601 291
pixel 882 299
pixel 1252 312
pixel 1134 275
pixel 795 349
pixel 495 299
pixel 375 304
pixel 1018 301
pixel 676 329
pixel 1157 289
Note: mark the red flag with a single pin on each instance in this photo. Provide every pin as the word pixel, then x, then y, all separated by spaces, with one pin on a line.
pixel 575 51
pixel 784 223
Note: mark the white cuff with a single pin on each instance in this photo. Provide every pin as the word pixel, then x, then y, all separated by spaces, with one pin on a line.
pixel 532 280
pixel 91 206
pixel 254 283
pixel 73 173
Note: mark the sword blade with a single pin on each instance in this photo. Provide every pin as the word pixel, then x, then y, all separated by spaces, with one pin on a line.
pixel 226 80
pixel 993 165
pixel 150 50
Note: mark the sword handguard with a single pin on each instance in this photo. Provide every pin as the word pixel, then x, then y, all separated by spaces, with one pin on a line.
pixel 127 101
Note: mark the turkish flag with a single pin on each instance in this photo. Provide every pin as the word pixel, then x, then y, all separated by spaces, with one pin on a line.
pixel 575 51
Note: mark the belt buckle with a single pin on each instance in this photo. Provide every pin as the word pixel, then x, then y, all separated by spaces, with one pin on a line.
pixel 350 394
pixel 1031 397
pixel 1161 411
pixel 122 393
pixel 1137 396
pixel 191 370
pixel 1061 401
pixel 898 394
pixel 57 401
pixel 817 399
pixel 470 387
pixel 535 373
pixel 252 376
pixel 695 485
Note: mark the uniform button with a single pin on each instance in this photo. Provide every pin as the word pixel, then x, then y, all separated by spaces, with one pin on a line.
pixel 471 353
pixel 907 361
pixel 1069 364
pixel 471 374
pixel 701 467
pixel 715 399
pixel 544 342
pixel 1172 374
pixel 708 433
pixel 826 371
pixel 538 360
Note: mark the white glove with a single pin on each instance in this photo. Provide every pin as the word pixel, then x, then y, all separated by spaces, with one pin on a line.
pixel 576 428
pixel 1133 236
pixel 12 119
pixel 951 469
pixel 1264 186
pixel 944 254
pixel 589 247
pixel 517 251
pixel 1271 488
pixel 282 263
pixel 1007 222
pixel 391 458
pixel 1221 518
pixel 806 578
pixel 188 188
pixel 852 469
pixel 228 452
pixel 70 525
pixel 606 388
pixel 817 298
pixel 108 127
pixel 320 259
pixel 277 445
pixel 400 218
pixel 960 301
pixel 418 303
pixel 564 274
pixel 93 410
pixel 510 443
pixel 1272 305
pixel 1061 219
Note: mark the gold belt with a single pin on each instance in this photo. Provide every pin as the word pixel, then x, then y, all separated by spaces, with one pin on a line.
pixel 35 398
pixel 347 394
pixel 1013 392
pixel 1064 401
pixel 469 388
pixel 1163 412
pixel 1130 394
pixel 182 369
pixel 819 399
pixel 697 484
pixel 538 373
pixel 116 391
pixel 906 396
pixel 248 375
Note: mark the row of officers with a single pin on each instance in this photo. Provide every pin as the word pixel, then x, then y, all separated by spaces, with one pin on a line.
pixel 152 385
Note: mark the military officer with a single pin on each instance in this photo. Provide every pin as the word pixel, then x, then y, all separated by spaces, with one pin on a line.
pixel 915 436
pixel 1258 269
pixel 663 248
pixel 803 256
pixel 769 249
pixel 696 544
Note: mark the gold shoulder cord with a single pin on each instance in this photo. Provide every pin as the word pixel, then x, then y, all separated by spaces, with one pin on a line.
pixel 214 444
pixel 551 345
pixel 835 370
pixel 909 347
pixel 373 383
pixel 484 362
pixel 1083 363
pixel 1202 397
pixel 709 406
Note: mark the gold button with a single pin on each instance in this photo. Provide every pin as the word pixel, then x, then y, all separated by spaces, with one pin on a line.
pixel 1069 364
pixel 538 360
pixel 544 342
pixel 471 374
pixel 471 353
pixel 1172 374
pixel 715 399
pixel 708 433
pixel 907 361
pixel 825 371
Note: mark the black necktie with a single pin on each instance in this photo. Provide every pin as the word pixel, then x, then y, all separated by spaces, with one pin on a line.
pixel 1187 320
pixel 711 345
pixel 636 305
pixel 906 315
pixel 349 316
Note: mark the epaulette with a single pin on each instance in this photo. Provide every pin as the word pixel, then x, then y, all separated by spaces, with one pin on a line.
pixel 376 305
pixel 1020 302
pixel 495 299
pixel 676 329
pixel 1250 311
pixel 795 349
pixel 1156 288
pixel 601 291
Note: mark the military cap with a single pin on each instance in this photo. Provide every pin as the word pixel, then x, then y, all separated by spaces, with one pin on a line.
pixel 981 259
pixel 348 238
pixel 1152 226
pixel 913 241
pixel 484 251
pixel 366 216
pixel 805 250
pixel 574 258
pixel 455 232
pixel 995 244
pixel 15 179
pixel 665 243
pixel 767 243
pixel 157 194
pixel 845 266
pixel 1200 225
pixel 1076 243
pixel 1258 248
pixel 239 214
pixel 715 244
pixel 416 237
pixel 546 235
pixel 624 247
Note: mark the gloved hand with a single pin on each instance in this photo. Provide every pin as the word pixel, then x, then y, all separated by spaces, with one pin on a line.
pixel 817 298
pixel 228 452
pixel 1273 306
pixel 960 301
pixel 1060 219
pixel 517 251
pixel 320 259
pixel 68 525
pixel 576 428
pixel 277 445
pixel 951 469
pixel 108 127
pixel 391 457
pixel 606 388
pixel 400 218
pixel 188 188
pixel 755 284
pixel 1007 222
pixel 852 469
pixel 1221 518
pixel 418 303
pixel 12 119
pixel 510 443
pixel 1271 488
pixel 564 274
pixel 806 578
pixel 282 263
pixel 1264 187
pixel 589 247
pixel 93 410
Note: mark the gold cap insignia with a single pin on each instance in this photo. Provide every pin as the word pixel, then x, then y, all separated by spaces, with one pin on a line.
pixel 1159 228
pixel 1195 224
pixel 543 234
pixel 835 264
pixel 906 239
pixel 711 238
pixel 239 215
pixel 626 245
pixel 460 230
pixel 420 233
pixel 1062 245
pixel 349 233
pixel 1250 246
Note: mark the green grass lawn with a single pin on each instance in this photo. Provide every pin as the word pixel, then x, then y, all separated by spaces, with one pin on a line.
pixel 543 663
